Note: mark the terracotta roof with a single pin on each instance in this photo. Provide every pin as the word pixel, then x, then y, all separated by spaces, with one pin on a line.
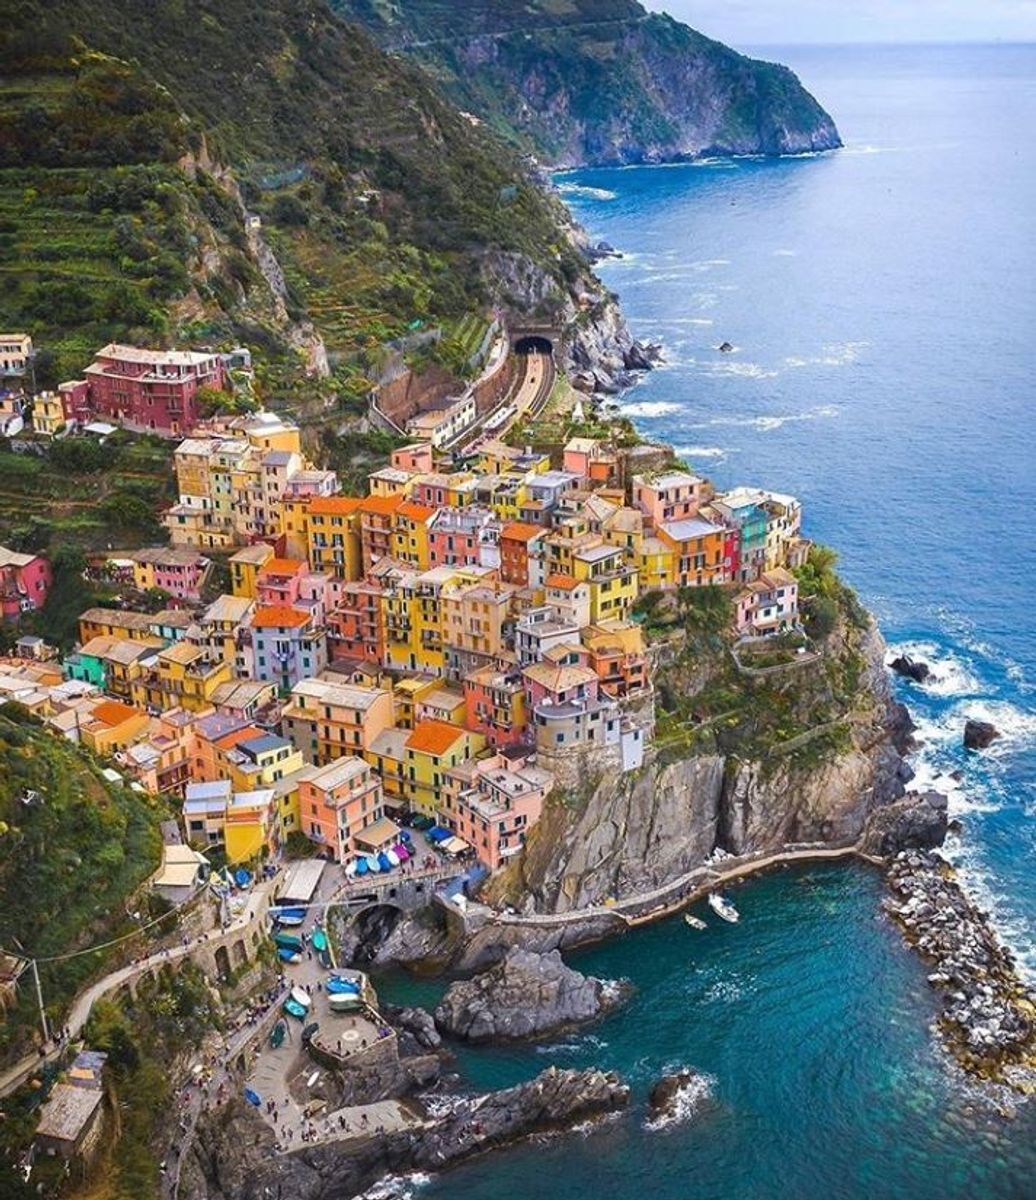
pixel 564 582
pixel 282 566
pixel 414 511
pixel 433 737
pixel 383 506
pixel 277 616
pixel 114 712
pixel 229 740
pixel 333 506
pixel 520 531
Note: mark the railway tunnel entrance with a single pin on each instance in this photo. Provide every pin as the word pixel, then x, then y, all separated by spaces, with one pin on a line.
pixel 533 343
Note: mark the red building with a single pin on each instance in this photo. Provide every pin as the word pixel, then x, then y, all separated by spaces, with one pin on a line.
pixel 25 580
pixel 150 391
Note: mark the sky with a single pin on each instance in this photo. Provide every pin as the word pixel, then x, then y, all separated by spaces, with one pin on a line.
pixel 759 22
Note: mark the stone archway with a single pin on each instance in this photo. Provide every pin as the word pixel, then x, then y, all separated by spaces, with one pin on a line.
pixel 222 960
pixel 534 343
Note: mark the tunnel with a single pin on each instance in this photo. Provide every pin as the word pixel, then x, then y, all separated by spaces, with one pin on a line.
pixel 534 344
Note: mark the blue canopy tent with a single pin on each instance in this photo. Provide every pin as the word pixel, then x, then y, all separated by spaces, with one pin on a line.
pixel 438 834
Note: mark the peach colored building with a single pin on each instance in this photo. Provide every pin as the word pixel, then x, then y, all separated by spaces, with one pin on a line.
pixel 337 802
pixel 668 496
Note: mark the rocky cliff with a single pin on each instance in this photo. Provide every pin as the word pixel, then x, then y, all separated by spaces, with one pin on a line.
pixel 729 789
pixel 600 82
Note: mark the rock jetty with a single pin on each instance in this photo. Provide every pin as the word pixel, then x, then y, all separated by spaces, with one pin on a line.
pixel 525 995
pixel 233 1156
pixel 989 1015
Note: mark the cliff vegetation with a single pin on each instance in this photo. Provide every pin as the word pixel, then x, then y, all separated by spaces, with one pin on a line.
pixel 599 82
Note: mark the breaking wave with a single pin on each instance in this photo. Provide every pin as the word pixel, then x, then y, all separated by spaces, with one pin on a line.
pixel 689 1101
pixel 766 424
pixel 583 189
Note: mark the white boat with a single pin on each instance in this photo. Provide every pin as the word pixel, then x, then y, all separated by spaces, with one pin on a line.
pixel 393 857
pixel 723 908
pixel 350 869
pixel 694 922
pixel 301 996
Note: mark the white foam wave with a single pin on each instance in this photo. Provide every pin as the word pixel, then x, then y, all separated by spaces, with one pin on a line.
pixel 650 408
pixel 397 1187
pixel 950 675
pixel 785 254
pixel 582 189
pixel 835 355
pixel 766 424
pixel 717 452
pixel 742 370
pixel 689 1101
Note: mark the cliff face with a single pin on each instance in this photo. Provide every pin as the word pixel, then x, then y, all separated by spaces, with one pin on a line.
pixel 617 838
pixel 600 82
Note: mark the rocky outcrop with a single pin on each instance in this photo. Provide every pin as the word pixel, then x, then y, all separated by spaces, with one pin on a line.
pixel 526 995
pixel 978 735
pixel 989 1014
pixel 673 1095
pixel 917 822
pixel 416 1029
pixel 616 837
pixel 910 668
pixel 580 86
pixel 233 1157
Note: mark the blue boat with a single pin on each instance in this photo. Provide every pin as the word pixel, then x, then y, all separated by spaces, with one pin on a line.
pixel 384 861
pixel 289 916
pixel 438 834
pixel 337 986
pixel 294 1009
pixel 253 1097
pixel 372 864
pixel 286 954
pixel 361 866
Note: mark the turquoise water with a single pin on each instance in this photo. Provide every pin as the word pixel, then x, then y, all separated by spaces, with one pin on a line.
pixel 883 305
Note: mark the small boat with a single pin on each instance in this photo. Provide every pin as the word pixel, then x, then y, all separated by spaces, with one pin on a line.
pixel 290 916
pixel 294 1010
pixel 405 836
pixel 319 939
pixel 402 853
pixel 372 864
pixel 325 959
pixel 277 1035
pixel 694 922
pixel 310 1032
pixel 337 986
pixel 393 857
pixel 360 866
pixel 253 1097
pixel 301 997
pixel 350 869
pixel 288 941
pixel 287 955
pixel 723 908
pixel 344 1002
pixel 384 862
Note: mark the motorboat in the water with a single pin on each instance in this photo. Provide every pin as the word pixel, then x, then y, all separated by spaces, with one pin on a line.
pixel 723 908
pixel 694 922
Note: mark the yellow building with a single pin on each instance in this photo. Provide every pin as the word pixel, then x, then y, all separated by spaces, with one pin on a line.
pixel 112 725
pixel 387 754
pixel 406 694
pixel 614 586
pixel 432 749
pixel 262 761
pixel 410 534
pixel 251 829
pixel 48 414
pixel 245 566
pixel 182 677
pixel 656 565
pixel 333 537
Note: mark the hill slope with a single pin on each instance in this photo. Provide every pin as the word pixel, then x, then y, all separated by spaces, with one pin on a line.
pixel 139 135
pixel 600 81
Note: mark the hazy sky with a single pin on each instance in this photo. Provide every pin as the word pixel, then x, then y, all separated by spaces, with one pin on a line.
pixel 753 22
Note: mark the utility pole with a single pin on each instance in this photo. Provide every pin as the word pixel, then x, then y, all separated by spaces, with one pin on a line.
pixel 39 1001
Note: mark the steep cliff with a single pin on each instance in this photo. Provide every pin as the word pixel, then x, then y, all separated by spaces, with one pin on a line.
pixel 802 755
pixel 600 81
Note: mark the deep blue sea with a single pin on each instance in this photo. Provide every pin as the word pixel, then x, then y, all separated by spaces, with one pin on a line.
pixel 882 302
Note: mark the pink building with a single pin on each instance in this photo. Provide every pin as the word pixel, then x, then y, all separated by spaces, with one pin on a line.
pixel 494 705
pixel 492 804
pixel 458 537
pixel 146 390
pixel 769 604
pixel 670 496
pixel 417 457
pixel 177 571
pixel 25 580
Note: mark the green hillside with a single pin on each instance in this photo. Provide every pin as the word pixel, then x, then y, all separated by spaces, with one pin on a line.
pixel 599 81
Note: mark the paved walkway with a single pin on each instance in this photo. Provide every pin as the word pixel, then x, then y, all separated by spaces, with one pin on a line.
pixel 79 1014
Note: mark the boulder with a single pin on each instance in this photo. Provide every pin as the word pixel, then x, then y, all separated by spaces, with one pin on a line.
pixel 916 822
pixel 979 734
pixel 525 995
pixel 666 1093
pixel 726 348
pixel 911 668
pixel 416 1028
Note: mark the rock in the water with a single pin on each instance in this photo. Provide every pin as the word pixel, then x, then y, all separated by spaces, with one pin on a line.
pixel 665 1095
pixel 979 734
pixel 416 1027
pixel 525 995
pixel 726 348
pixel 911 668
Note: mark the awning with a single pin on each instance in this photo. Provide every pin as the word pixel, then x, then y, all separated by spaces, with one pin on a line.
pixel 455 845
pixel 437 834
pixel 383 832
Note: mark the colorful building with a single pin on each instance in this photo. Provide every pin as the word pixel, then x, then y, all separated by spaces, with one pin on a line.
pixel 339 803
pixel 286 646
pixel 432 748
pixel 25 581
pixel 326 720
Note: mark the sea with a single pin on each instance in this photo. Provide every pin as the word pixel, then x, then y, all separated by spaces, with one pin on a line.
pixel 881 302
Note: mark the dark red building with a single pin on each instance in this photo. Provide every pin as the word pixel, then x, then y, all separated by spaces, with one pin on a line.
pixel 149 391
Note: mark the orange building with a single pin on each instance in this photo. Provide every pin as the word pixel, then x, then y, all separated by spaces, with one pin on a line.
pixel 516 538
pixel 377 528
pixel 338 802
